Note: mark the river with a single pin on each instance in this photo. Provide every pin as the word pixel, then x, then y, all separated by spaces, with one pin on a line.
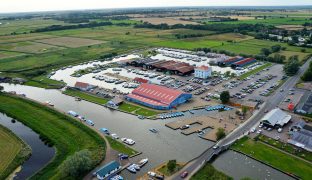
pixel 41 153
pixel 167 144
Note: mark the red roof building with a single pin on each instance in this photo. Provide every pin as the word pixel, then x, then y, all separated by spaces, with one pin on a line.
pixel 140 80
pixel 157 97
pixel 83 86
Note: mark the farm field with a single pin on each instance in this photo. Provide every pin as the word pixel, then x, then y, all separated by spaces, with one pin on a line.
pixel 29 47
pixel 9 54
pixel 25 25
pixel 66 134
pixel 13 152
pixel 271 21
pixel 167 20
pixel 70 42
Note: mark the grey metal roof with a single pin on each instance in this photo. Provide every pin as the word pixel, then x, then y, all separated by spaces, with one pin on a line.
pixel 107 168
pixel 276 117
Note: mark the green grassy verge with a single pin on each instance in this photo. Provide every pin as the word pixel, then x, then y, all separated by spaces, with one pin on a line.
pixel 164 169
pixel 286 147
pixel 274 157
pixel 66 134
pixel 209 172
pixel 127 107
pixel 13 152
pixel 120 147
pixel 243 76
pixel 85 96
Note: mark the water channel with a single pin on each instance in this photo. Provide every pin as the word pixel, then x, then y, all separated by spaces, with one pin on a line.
pixel 41 153
pixel 167 144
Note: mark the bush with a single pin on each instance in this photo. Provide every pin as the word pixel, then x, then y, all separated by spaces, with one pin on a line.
pixel 171 165
pixel 220 134
pixel 77 164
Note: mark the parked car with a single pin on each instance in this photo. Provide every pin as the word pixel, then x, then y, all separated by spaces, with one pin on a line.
pixel 184 174
pixel 279 130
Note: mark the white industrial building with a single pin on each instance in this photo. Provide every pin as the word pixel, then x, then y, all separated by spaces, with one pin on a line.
pixel 276 118
pixel 203 72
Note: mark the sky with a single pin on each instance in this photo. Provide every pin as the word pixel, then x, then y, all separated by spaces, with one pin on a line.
pixel 51 5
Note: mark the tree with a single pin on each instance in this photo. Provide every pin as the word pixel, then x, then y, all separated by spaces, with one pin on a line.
pixel 225 97
pixel 244 110
pixel 220 134
pixel 77 165
pixel 276 48
pixel 171 165
pixel 1 88
pixel 265 51
pixel 292 66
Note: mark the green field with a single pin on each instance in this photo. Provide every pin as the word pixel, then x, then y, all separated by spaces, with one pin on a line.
pixel 208 172
pixel 120 147
pixel 66 134
pixel 271 21
pixel 13 152
pixel 85 96
pixel 275 158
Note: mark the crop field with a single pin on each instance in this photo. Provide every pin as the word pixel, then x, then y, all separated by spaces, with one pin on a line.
pixel 8 54
pixel 29 47
pixel 23 37
pixel 25 25
pixel 70 42
pixel 272 21
pixel 169 21
pixel 229 37
pixel 13 152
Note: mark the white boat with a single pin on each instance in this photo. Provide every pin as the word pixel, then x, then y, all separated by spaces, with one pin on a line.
pixel 131 169
pixel 143 162
pixel 49 103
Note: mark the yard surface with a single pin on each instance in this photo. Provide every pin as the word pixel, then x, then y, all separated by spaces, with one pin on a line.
pixel 274 157
pixel 208 172
pixel 66 134
pixel 13 152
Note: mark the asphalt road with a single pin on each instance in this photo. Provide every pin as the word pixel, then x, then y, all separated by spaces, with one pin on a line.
pixel 273 102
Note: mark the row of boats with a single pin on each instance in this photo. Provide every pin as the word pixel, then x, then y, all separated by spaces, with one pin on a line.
pixel 81 118
pixel 133 168
pixel 171 115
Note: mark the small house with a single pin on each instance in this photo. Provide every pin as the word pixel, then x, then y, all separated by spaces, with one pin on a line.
pixel 83 86
pixel 108 170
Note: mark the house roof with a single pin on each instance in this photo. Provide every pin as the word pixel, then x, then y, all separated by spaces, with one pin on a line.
pixel 81 85
pixel 244 61
pixel 151 93
pixel 140 80
pixel 107 168
pixel 276 117
pixel 116 100
pixel 203 68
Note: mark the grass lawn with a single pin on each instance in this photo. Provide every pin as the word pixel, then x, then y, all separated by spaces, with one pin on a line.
pixel 120 147
pixel 287 147
pixel 13 152
pixel 164 169
pixel 45 82
pixel 209 172
pixel 146 112
pixel 276 158
pixel 86 96
pixel 243 76
pixel 66 134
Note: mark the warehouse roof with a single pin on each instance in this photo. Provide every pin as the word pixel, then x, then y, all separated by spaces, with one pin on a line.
pixel 276 117
pixel 154 93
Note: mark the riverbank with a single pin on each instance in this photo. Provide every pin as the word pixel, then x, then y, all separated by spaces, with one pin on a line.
pixel 209 172
pixel 13 150
pixel 66 134
pixel 273 157
pixel 126 107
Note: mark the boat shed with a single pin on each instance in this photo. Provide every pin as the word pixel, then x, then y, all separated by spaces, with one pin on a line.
pixel 158 97
pixel 243 62
pixel 108 170
pixel 276 118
